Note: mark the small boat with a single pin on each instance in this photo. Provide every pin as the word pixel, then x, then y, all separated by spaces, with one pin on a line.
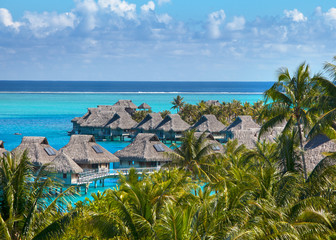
pixel 17 133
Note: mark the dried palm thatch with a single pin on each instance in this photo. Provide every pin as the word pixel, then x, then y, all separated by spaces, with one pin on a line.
pixel 2 148
pixel 64 164
pixel 37 148
pixel 208 123
pixel 142 149
pixel 213 103
pixel 315 148
pixel 149 122
pixel 98 119
pixel 80 149
pixel 243 122
pixel 172 123
pixel 144 106
pixel 121 121
pixel 126 104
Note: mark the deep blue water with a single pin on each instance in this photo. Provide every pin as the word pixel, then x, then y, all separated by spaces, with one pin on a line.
pixel 134 87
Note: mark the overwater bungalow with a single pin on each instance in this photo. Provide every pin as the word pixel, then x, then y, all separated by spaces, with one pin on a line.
pixel 171 127
pixel 2 148
pixel 244 129
pixel 213 103
pixel 120 125
pixel 149 123
pixel 315 148
pixel 65 168
pixel 145 151
pixel 129 106
pixel 95 123
pixel 39 150
pixel 144 106
pixel 84 151
pixel 209 123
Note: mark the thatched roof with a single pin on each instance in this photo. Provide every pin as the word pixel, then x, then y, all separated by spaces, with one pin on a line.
pixel 2 148
pixel 149 122
pixel 142 149
pixel 126 104
pixel 174 123
pixel 314 149
pixel 80 149
pixel 37 150
pixel 208 123
pixel 144 106
pixel 213 102
pixel 64 164
pixel 211 140
pixel 111 108
pixel 246 137
pixel 243 122
pixel 98 119
pixel 122 121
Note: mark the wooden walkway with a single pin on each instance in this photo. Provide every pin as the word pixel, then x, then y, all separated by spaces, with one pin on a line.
pixel 88 177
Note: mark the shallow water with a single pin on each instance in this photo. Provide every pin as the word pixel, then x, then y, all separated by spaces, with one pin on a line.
pixel 49 115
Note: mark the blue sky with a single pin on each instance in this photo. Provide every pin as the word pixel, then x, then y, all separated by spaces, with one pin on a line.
pixel 185 40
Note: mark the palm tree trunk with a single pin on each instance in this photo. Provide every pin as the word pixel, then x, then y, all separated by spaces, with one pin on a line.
pixel 302 152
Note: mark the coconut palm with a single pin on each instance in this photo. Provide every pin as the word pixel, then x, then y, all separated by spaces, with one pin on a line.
pixel 290 100
pixel 27 208
pixel 177 103
pixel 193 155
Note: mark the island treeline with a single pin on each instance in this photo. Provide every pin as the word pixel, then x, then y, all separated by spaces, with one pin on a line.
pixel 261 193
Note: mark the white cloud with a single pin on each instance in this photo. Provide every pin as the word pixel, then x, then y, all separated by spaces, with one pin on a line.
pixel 150 6
pixel 119 7
pixel 295 15
pixel 164 18
pixel 7 20
pixel 161 2
pixel 215 20
pixel 238 23
pixel 88 10
pixel 45 23
pixel 331 14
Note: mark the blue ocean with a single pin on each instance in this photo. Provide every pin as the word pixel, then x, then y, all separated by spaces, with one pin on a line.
pixel 45 108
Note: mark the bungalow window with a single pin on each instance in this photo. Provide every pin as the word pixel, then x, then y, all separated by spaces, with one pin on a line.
pixel 129 163
pixel 64 175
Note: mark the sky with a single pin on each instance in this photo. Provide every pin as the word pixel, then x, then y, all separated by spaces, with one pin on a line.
pixel 163 40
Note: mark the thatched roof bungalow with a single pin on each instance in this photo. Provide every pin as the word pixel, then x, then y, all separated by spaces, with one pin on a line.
pixel 144 106
pixel 145 151
pixel 208 123
pixel 39 150
pixel 244 129
pixel 315 148
pixel 2 148
pixel 171 127
pixel 65 168
pixel 149 123
pixel 120 124
pixel 84 150
pixel 213 103
pixel 129 106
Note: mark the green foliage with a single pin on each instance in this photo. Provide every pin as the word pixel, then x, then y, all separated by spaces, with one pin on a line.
pixel 138 116
pixel 165 113
pixel 28 210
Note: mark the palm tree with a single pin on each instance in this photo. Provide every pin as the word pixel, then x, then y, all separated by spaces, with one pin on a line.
pixel 331 69
pixel 193 155
pixel 28 211
pixel 290 101
pixel 177 103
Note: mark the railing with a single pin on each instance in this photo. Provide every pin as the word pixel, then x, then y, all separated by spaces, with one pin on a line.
pixel 91 175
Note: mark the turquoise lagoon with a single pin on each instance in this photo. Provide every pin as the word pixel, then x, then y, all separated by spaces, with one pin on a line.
pixel 50 114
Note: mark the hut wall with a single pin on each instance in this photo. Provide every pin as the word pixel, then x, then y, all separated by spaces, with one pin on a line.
pixel 65 178
pixel 129 164
pixel 74 178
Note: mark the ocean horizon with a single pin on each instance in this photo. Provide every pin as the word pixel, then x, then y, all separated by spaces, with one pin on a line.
pixel 147 87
